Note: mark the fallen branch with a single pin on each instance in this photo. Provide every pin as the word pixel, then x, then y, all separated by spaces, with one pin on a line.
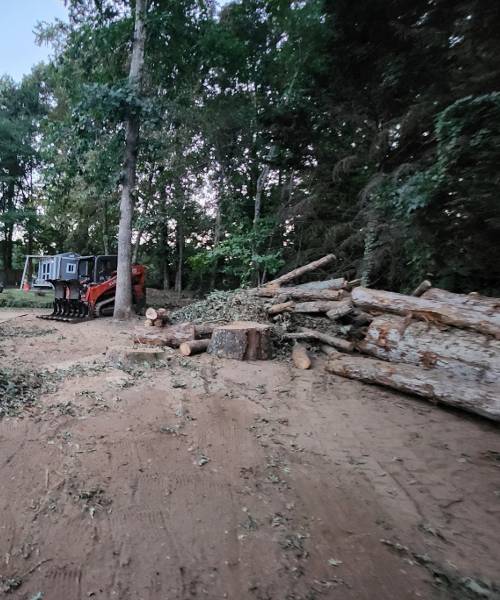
pixel 317 264
pixel 324 338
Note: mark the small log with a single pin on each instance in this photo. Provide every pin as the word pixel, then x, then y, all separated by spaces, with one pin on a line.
pixel 241 340
pixel 162 313
pixel 317 264
pixel 326 284
pixel 171 336
pixel 353 283
pixel 151 313
pixel 482 399
pixel 203 330
pixel 342 308
pixel 297 293
pixel 319 306
pixel 330 340
pixel 426 309
pixel 459 352
pixel 148 323
pixel 300 357
pixel 276 309
pixel 421 288
pixel 159 322
pixel 310 295
pixel 328 350
pixel 193 347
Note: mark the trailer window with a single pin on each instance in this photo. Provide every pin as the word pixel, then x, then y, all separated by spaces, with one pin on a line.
pixel 71 268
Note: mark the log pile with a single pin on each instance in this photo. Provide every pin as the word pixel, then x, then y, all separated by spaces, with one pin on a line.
pixel 435 344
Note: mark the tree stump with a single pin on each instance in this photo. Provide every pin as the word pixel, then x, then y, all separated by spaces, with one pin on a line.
pixel 242 340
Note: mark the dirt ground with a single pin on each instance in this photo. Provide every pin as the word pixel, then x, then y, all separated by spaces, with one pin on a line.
pixel 208 478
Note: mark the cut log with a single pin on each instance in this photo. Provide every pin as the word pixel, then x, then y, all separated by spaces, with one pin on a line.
pixel 162 313
pixel 482 304
pixel 159 322
pixel 276 309
pixel 193 347
pixel 426 309
pixel 319 306
pixel 300 357
pixel 151 313
pixel 242 340
pixel 148 323
pixel 461 353
pixel 341 309
pixel 204 330
pixel 326 284
pixel 317 264
pixel 353 283
pixel 421 288
pixel 172 336
pixel 328 350
pixel 286 293
pixel 324 338
pixel 482 399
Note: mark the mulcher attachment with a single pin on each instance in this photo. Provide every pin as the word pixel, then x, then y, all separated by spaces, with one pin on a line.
pixel 68 306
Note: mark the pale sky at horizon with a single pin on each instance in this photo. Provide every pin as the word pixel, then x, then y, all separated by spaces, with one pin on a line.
pixel 18 18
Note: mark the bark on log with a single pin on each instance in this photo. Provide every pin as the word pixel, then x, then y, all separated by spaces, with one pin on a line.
pixel 341 309
pixel 328 350
pixel 319 306
pixel 482 399
pixel 462 353
pixel 204 330
pixel 326 284
pixel 158 322
pixel 421 288
pixel 276 309
pixel 171 336
pixel 317 264
pixel 482 304
pixel 242 340
pixel 426 309
pixel 298 293
pixel 193 347
pixel 300 357
pixel 324 338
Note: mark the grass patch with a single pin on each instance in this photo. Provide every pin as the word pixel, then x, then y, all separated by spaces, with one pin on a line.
pixel 12 298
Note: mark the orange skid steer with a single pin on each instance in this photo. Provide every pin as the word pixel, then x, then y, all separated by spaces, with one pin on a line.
pixel 91 293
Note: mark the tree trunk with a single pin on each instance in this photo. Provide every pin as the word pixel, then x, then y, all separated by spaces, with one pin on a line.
pixel 482 304
pixel 428 383
pixel 123 298
pixel 180 258
pixel 426 309
pixel 462 353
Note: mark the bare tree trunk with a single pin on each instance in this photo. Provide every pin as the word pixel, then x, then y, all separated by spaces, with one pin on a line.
pixel 180 257
pixel 123 299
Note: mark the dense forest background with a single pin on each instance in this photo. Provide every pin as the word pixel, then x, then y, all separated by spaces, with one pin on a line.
pixel 272 132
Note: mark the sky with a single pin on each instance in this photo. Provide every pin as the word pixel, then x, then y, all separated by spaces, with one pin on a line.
pixel 18 51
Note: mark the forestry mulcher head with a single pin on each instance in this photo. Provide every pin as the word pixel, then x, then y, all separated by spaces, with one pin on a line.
pixel 92 293
pixel 68 305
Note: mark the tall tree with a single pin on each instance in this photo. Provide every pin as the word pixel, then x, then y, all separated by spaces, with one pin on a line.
pixel 123 299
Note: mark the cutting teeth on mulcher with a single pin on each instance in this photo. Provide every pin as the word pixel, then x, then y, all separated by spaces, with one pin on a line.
pixel 69 311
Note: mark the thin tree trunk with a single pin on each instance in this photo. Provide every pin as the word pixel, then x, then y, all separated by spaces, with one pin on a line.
pixel 123 299
pixel 180 257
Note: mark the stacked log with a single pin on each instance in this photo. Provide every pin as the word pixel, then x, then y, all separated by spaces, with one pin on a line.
pixel 435 344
